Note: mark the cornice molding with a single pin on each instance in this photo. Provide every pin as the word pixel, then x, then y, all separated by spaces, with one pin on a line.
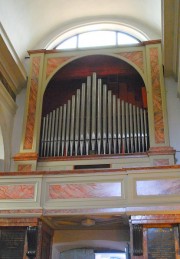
pixel 11 65
pixel 6 99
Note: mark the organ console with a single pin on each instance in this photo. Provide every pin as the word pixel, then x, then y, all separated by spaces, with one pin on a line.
pixel 94 121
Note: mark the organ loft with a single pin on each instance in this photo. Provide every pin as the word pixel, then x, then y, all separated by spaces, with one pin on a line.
pixel 95 144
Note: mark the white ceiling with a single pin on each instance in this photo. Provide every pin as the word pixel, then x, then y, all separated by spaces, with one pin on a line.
pixel 32 24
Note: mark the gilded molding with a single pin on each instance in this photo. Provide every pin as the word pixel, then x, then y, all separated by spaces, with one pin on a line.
pixel 25 156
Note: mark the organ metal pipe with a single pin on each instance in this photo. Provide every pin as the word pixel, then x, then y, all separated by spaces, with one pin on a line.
pixel 104 117
pixel 93 113
pixel 82 117
pixel 135 128
pixel 43 135
pixel 77 121
pixel 59 130
pixel 109 121
pixel 72 125
pixel 68 126
pixel 145 130
pixel 127 127
pixel 99 116
pixel 114 113
pixel 63 129
pixel 142 129
pixel 49 134
pixel 119 124
pixel 56 132
pixel 123 126
pixel 131 135
pixel 88 110
pixel 46 135
pixel 138 130
pixel 52 133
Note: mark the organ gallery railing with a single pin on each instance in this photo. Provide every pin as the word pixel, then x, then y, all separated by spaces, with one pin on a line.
pixel 94 121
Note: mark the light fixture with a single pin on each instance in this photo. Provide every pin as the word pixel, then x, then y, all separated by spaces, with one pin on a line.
pixel 88 222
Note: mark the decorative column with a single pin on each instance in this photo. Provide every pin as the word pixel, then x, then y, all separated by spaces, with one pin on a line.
pixel 147 60
pixel 42 68
pixel 26 160
pixel 160 152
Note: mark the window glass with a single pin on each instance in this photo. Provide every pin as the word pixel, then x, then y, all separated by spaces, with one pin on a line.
pixel 124 39
pixel 97 38
pixel 70 43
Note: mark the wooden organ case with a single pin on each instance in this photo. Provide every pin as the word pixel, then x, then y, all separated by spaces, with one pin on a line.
pixel 95 107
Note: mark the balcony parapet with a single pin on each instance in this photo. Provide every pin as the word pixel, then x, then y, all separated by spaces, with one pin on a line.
pixel 146 190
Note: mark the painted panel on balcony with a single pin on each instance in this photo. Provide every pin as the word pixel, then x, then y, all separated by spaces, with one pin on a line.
pixel 17 191
pixel 158 187
pixel 90 190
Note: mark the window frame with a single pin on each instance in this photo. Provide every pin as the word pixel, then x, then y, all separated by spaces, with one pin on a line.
pixel 116 36
pixel 70 31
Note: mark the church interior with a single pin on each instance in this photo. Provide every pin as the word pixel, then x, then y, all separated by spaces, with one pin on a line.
pixel 89 129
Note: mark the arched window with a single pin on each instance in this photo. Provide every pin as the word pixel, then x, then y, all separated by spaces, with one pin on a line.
pixel 99 38
pixel 101 34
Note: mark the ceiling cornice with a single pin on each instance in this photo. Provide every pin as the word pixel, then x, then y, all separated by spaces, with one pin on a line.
pixel 11 66
pixel 171 37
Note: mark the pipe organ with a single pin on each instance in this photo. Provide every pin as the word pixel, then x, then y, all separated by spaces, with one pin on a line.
pixel 94 121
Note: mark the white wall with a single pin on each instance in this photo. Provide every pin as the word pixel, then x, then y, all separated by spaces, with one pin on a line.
pixel 1 152
pixel 173 111
pixel 1 146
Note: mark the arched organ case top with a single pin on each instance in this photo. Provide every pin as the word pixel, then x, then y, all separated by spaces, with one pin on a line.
pixel 94 121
